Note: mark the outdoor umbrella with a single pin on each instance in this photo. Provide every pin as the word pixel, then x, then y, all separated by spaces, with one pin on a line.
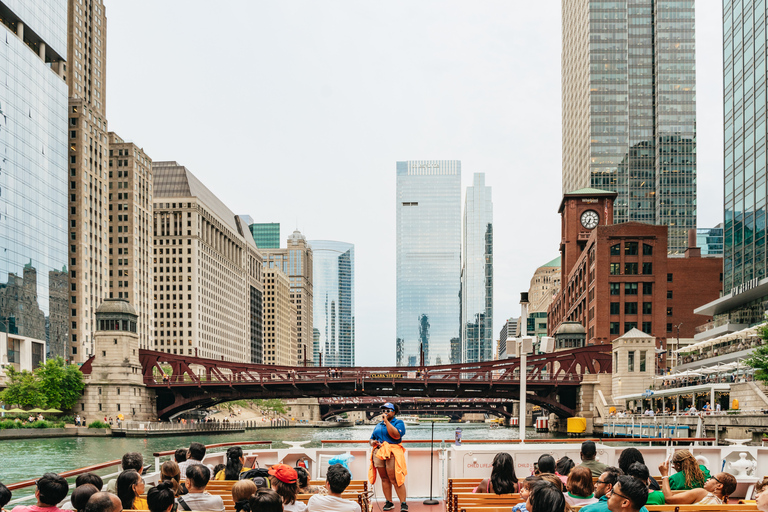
pixel 36 409
pixel 52 410
pixel 16 410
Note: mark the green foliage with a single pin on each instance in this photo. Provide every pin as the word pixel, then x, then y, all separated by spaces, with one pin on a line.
pixel 67 419
pixel 236 403
pixel 10 424
pixel 53 385
pixel 6 424
pixel 272 404
pixel 759 358
pixel 98 424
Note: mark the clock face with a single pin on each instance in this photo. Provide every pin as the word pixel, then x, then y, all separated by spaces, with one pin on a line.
pixel 589 219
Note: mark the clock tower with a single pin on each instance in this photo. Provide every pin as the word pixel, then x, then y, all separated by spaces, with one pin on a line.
pixel 581 211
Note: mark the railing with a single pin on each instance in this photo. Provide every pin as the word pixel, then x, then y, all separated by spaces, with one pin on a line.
pixel 731 378
pixel 200 426
pixel 710 352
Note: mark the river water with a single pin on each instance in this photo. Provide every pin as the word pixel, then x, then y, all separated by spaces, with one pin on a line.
pixel 30 458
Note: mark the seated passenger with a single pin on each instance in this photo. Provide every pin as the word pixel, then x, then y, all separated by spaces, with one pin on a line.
pixel 761 495
pixel 241 492
pixel 162 497
pixel 603 486
pixel 715 491
pixel 5 497
pixel 104 502
pixel 545 497
pixel 51 490
pixel 81 495
pixel 503 479
pixel 284 481
pixel 554 480
pixel 304 487
pixel 180 455
pixel 690 474
pixel 628 495
pixel 581 490
pixel 266 500
pixel 563 468
pixel 525 492
pixel 89 478
pixel 195 456
pixel 640 471
pixel 130 487
pixel 234 465
pixel 197 499
pixel 546 464
pixel 631 455
pixel 169 472
pixel 131 460
pixel 337 479
pixel 589 458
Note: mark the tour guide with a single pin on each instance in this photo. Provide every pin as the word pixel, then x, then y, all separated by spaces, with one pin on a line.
pixel 388 456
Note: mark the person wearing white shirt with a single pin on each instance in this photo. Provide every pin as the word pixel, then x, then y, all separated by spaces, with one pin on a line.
pixel 337 479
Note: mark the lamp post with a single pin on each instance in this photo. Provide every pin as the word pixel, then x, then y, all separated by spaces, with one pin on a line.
pixel 678 344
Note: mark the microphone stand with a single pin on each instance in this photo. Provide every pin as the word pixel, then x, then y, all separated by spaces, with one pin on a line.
pixel 431 501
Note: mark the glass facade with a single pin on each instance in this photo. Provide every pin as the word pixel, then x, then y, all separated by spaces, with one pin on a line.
pixel 428 261
pixel 744 79
pixel 710 240
pixel 266 236
pixel 640 92
pixel 333 320
pixel 477 274
pixel 33 177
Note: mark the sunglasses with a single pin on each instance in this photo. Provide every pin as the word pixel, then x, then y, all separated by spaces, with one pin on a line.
pixel 613 491
pixel 715 479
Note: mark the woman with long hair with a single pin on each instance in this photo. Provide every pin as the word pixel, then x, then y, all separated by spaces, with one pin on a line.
pixel 581 490
pixel 81 495
pixel 235 465
pixel 715 490
pixel 563 467
pixel 304 487
pixel 629 456
pixel 169 472
pixel 130 486
pixel 503 479
pixel 690 474
pixel 285 481
pixel 241 491
pixel 545 497
pixel 162 497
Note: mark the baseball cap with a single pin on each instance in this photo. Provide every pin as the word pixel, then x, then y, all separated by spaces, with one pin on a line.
pixel 389 406
pixel 284 473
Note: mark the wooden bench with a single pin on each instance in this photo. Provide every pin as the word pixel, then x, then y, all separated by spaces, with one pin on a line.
pixel 747 507
pixel 462 485
pixel 463 500
pixel 354 485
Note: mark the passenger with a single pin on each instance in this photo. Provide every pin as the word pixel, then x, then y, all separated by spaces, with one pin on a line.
pixel 627 495
pixel 130 487
pixel 630 455
pixel 603 486
pixel 563 467
pixel 235 461
pixel 5 497
pixel 304 487
pixel 162 497
pixel 690 474
pixel 89 478
pixel 285 482
pixel 588 460
pixel 180 455
pixel 337 479
pixel 198 476
pixel 265 500
pixel 131 460
pixel 715 491
pixel 51 490
pixel 761 495
pixel 503 479
pixel 169 472
pixel 554 480
pixel 195 456
pixel 545 497
pixel 525 491
pixel 546 464
pixel 640 471
pixel 581 490
pixel 217 468
pixel 241 491
pixel 104 502
pixel 81 495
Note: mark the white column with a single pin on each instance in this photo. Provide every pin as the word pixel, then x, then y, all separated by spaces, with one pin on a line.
pixel 41 49
pixel 20 30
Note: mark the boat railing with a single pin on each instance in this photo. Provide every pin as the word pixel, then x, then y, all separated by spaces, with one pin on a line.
pixel 168 453
pixel 667 440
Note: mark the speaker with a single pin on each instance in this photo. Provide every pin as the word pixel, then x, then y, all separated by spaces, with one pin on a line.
pixel 547 345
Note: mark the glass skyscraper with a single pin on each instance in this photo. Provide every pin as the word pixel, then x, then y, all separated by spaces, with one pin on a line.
pixel 477 274
pixel 629 108
pixel 333 306
pixel 33 175
pixel 428 260
pixel 266 235
pixel 710 240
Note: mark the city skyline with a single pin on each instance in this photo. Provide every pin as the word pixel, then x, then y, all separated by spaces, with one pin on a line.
pixel 476 137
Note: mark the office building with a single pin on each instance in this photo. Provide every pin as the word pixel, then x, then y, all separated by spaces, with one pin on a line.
pixel 34 260
pixel 710 240
pixel 745 281
pixel 130 232
pixel 295 261
pixel 629 108
pixel 208 273
pixel 333 324
pixel 281 342
pixel 266 235
pixel 428 260
pixel 477 274
pixel 545 284
pixel 618 277
pixel 88 162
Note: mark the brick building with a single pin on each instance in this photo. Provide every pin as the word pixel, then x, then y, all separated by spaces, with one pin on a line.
pixel 616 277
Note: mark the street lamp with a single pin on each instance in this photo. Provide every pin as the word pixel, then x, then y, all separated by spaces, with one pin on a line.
pixel 678 344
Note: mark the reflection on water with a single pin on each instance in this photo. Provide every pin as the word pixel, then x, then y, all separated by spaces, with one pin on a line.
pixel 27 459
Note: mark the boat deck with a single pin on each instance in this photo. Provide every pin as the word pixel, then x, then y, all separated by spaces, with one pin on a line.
pixel 414 505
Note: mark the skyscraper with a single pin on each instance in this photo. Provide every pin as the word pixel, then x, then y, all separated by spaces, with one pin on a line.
pixel 477 274
pixel 333 325
pixel 428 260
pixel 629 108
pixel 266 235
pixel 33 179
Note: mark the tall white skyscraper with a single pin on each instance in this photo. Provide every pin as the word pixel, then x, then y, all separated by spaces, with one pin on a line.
pixel 428 260
pixel 477 274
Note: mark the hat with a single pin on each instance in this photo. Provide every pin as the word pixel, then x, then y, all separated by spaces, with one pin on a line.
pixel 284 473
pixel 389 406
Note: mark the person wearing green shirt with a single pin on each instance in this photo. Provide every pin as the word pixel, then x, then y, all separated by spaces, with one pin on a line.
pixel 641 472
pixel 690 474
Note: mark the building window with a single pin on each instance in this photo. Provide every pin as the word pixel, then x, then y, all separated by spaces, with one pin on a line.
pixel 615 287
pixel 631 361
pixel 615 268
pixel 647 250
pixel 669 327
pixel 630 268
pixel 669 311
pixel 616 250
pixel 647 327
pixel 630 308
pixel 615 328
pixel 630 248
pixel 642 361
pixel 647 268
pixel 647 288
pixel 615 308
pixel 647 308
pixel 628 326
pixel 630 288
pixel 669 278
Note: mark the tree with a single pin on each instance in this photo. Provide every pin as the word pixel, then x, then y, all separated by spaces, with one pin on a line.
pixel 23 389
pixel 759 358
pixel 52 385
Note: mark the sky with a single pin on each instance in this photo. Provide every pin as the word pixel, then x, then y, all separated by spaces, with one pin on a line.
pixel 296 112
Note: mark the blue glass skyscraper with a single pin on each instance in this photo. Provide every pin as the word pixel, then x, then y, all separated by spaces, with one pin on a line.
pixel 477 274
pixel 428 260
pixel 333 306
pixel 33 175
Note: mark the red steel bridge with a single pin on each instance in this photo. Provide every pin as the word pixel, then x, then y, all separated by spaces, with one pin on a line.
pixel 452 407
pixel 183 382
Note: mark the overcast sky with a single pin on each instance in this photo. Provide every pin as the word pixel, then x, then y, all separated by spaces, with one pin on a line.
pixel 296 112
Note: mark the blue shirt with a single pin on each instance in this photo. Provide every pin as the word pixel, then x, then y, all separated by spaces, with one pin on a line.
pixel 602 506
pixel 520 507
pixel 380 431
